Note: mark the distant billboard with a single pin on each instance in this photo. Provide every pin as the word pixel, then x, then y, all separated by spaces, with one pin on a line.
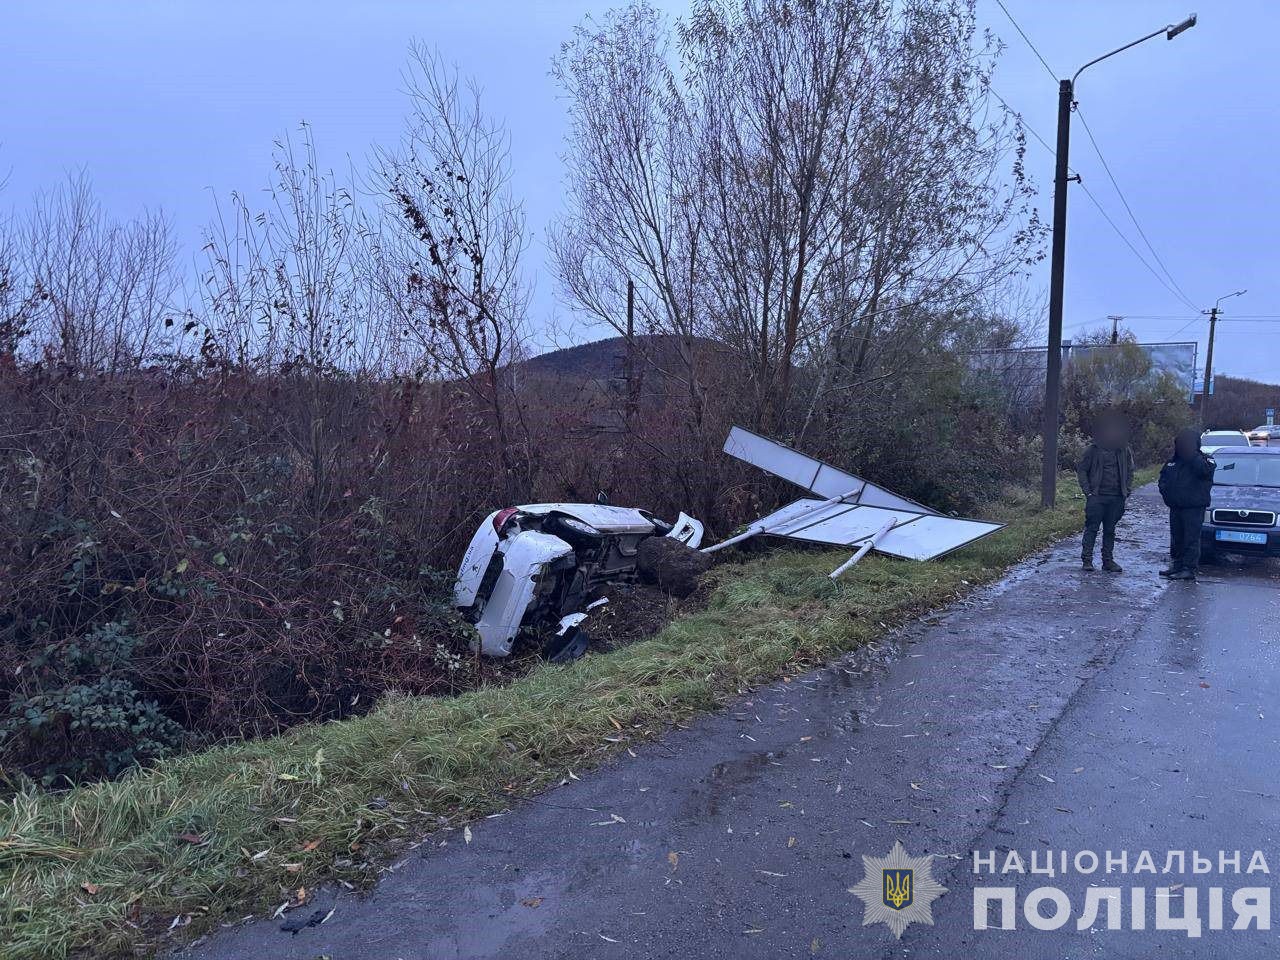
pixel 1021 370
pixel 1176 359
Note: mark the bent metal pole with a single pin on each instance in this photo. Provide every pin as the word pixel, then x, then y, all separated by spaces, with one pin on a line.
pixel 870 542
pixel 758 528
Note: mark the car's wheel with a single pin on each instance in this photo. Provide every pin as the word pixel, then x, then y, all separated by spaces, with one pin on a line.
pixel 572 531
pixel 570 646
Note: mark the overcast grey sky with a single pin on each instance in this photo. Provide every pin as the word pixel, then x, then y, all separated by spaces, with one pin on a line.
pixel 163 101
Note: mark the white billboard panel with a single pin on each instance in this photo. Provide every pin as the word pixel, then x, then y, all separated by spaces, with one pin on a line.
pixel 811 473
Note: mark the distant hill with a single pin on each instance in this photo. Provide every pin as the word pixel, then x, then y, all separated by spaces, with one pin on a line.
pixel 600 360
pixel 606 359
pixel 1239 404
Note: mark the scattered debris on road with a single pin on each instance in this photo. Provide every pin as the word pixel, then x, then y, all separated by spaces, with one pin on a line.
pixel 296 924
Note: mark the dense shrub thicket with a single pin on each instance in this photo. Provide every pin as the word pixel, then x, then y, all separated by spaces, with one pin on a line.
pixel 174 570
pixel 79 714
pixel 171 562
pixel 226 512
pixel 1120 379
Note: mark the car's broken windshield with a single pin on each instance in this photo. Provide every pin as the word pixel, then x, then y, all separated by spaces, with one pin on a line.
pixel 1249 471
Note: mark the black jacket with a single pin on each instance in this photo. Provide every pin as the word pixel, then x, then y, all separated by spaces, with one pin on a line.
pixel 1185 484
pixel 1089 470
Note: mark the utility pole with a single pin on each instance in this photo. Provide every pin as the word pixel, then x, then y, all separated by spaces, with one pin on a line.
pixel 1053 361
pixel 628 363
pixel 1115 328
pixel 1208 370
pixel 1208 357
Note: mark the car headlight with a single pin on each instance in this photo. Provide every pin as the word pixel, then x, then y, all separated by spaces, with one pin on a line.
pixel 1208 515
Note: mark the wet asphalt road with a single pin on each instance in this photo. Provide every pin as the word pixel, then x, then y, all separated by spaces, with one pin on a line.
pixel 1057 710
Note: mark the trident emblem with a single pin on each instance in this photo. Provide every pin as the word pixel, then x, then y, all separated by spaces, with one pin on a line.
pixel 897 889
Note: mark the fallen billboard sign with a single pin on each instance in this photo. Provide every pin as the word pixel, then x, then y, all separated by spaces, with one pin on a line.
pixel 855 512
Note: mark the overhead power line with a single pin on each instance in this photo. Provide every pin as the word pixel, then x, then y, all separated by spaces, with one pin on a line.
pixel 1185 325
pixel 1129 210
pixel 1025 126
pixel 1048 69
pixel 1182 318
pixel 1221 319
pixel 1083 323
pixel 1128 243
pixel 1094 200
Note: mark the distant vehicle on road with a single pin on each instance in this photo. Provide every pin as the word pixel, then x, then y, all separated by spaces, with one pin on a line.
pixel 1264 434
pixel 1244 503
pixel 1212 440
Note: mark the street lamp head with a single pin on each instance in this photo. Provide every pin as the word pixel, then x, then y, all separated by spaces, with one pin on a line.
pixel 1227 296
pixel 1173 30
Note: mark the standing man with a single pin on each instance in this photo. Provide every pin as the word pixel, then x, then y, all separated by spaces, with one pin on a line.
pixel 1185 484
pixel 1105 472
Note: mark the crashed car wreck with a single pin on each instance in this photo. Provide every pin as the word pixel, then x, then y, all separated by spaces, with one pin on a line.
pixel 539 570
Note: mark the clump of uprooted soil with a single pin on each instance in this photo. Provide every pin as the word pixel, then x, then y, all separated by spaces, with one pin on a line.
pixel 670 574
pixel 671 566
pixel 635 612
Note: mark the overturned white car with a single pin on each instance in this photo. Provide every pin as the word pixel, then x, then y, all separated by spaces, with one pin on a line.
pixel 541 568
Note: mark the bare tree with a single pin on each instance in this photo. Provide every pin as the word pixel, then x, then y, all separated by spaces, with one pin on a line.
pixel 815 168
pixel 96 292
pixel 284 286
pixel 446 254
pixel 638 211
pixel 17 300
pixel 285 298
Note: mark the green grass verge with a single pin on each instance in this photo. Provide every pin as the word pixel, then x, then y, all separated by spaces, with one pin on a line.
pixel 105 869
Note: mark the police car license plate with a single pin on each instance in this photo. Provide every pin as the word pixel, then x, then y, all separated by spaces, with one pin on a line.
pixel 1241 536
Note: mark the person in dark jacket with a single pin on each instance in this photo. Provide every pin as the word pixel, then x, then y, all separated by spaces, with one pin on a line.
pixel 1185 484
pixel 1105 472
